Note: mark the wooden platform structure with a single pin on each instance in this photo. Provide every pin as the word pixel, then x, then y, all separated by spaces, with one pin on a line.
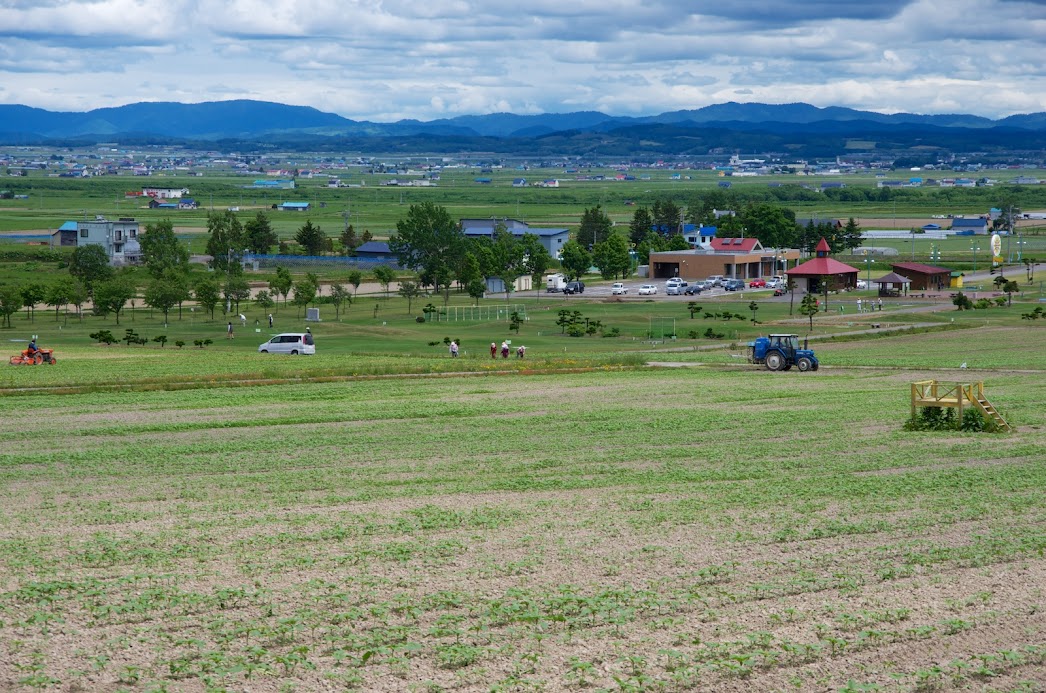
pixel 930 393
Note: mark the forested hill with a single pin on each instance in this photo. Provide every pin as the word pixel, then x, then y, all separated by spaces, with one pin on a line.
pixel 799 129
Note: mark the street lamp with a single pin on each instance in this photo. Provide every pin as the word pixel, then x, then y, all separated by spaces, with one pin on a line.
pixel 973 251
pixel 868 266
pixel 1020 245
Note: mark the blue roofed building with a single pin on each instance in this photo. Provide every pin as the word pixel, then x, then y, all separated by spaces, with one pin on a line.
pixel 551 239
pixel 375 250
pixel 970 227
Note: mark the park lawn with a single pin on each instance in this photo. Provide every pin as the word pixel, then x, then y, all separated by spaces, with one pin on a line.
pixel 678 529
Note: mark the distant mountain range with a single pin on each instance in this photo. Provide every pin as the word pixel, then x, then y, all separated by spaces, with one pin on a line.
pixel 794 128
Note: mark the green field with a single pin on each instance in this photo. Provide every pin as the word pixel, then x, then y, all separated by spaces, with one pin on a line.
pixel 215 519
pixel 633 508
pixel 375 206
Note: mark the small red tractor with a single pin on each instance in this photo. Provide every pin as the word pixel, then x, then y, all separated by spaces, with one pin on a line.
pixel 38 357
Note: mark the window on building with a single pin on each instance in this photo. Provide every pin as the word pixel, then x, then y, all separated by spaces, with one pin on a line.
pixel 118 247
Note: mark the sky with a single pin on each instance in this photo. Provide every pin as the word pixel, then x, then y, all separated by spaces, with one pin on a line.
pixel 386 60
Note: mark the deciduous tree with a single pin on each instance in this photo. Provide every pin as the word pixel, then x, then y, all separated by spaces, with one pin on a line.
pixel 281 284
pixel 409 290
pixel 612 258
pixel 33 293
pixel 112 295
pixel 575 259
pixel 90 264
pixel 385 276
pixel 161 250
pixel 225 242
pixel 430 242
pixel 339 295
pixel 207 294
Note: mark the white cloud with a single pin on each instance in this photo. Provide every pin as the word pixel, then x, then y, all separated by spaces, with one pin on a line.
pixel 389 59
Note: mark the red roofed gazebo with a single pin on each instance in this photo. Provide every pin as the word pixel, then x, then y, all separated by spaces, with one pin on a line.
pixel 839 275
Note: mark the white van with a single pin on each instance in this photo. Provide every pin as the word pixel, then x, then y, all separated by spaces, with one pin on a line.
pixel 289 343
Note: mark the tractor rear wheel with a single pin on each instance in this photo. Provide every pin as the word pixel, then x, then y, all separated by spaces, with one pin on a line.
pixel 774 361
pixel 804 364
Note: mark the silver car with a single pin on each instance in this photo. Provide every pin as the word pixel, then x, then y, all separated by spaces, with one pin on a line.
pixel 289 343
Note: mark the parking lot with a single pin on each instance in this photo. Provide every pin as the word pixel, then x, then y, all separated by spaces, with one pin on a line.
pixel 603 290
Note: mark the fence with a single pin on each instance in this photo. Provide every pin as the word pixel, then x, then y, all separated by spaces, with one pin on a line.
pixel 305 262
pixel 481 313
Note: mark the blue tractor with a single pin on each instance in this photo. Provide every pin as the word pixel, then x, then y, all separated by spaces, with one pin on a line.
pixel 780 352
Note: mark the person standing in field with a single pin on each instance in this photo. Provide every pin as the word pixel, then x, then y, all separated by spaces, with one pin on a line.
pixel 859 306
pixel 880 303
pixel 493 350
pixel 454 349
pixel 504 350
pixel 270 319
pixel 228 331
pixel 521 351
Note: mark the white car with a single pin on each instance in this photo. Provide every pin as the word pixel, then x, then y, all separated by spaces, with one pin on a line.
pixel 289 343
pixel 675 281
pixel 647 290
pixel 862 284
pixel 618 289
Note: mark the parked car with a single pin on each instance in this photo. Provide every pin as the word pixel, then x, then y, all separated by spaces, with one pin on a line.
pixel 703 285
pixel 647 290
pixel 757 284
pixel 289 343
pixel 733 284
pixel 574 288
pixel 618 289
pixel 677 281
pixel 717 279
pixel 862 284
pixel 694 289
pixel 674 290
pixel 773 283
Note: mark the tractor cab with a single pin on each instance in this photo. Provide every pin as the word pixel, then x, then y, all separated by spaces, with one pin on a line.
pixel 780 352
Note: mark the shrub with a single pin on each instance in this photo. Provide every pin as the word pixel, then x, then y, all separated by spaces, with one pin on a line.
pixel 103 336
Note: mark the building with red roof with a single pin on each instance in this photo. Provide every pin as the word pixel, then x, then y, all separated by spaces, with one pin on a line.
pixel 823 268
pixel 737 258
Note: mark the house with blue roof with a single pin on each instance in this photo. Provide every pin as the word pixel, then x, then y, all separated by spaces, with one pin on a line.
pixel 377 251
pixel 551 239
pixel 970 227
pixel 700 237
pixel 118 238
pixel 65 235
pixel 294 207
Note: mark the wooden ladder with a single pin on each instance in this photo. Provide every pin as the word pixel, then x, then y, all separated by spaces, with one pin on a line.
pixel 988 410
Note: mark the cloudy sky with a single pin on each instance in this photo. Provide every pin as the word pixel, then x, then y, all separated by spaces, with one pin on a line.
pixel 384 60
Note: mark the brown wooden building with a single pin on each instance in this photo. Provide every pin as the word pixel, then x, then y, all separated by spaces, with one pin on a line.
pixel 924 277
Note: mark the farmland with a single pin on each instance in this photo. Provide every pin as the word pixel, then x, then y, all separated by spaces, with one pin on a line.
pixel 187 514
pixel 710 528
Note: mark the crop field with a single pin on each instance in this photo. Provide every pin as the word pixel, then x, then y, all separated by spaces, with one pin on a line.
pixel 617 528
pixel 375 206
